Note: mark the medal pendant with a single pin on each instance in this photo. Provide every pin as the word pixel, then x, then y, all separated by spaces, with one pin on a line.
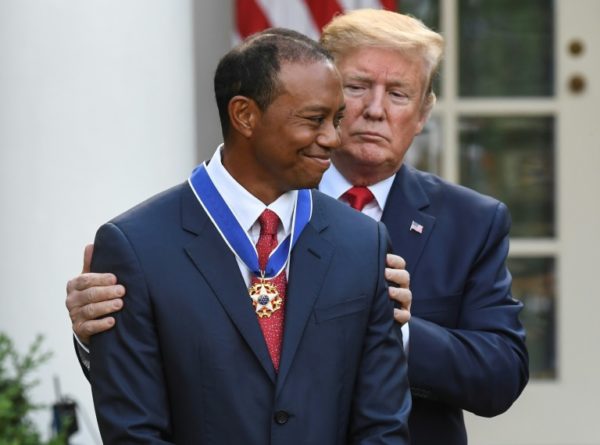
pixel 265 298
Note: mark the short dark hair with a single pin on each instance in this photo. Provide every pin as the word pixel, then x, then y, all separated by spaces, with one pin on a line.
pixel 251 69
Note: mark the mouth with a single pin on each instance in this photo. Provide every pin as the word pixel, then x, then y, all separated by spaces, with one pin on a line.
pixel 370 136
pixel 323 160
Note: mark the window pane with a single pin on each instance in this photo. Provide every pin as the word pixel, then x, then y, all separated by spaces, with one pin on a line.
pixel 533 284
pixel 512 159
pixel 506 48
pixel 428 11
pixel 425 153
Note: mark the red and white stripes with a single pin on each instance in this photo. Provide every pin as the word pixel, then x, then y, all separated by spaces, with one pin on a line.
pixel 306 16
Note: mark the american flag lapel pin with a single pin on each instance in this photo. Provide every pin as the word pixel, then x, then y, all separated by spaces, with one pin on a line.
pixel 416 227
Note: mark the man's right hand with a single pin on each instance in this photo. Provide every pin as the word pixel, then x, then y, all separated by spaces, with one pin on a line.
pixel 91 296
pixel 397 275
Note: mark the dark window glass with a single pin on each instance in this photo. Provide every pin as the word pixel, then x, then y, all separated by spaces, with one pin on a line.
pixel 428 11
pixel 512 159
pixel 425 152
pixel 506 48
pixel 533 284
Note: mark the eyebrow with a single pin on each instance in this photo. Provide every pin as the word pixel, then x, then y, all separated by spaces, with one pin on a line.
pixel 321 108
pixel 361 77
pixel 369 79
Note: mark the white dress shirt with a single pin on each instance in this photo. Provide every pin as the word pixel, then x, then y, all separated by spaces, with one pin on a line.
pixel 247 208
pixel 335 185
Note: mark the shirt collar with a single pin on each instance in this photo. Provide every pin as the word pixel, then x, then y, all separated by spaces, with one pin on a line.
pixel 335 185
pixel 245 206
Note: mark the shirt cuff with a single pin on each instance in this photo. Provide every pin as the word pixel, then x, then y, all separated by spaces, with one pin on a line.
pixel 405 334
pixel 86 349
pixel 83 352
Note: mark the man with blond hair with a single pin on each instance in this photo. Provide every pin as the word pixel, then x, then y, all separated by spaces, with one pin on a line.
pixel 465 344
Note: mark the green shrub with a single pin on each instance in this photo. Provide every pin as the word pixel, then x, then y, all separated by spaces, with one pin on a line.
pixel 16 428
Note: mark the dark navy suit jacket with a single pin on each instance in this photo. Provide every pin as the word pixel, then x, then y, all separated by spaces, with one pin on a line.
pixel 187 363
pixel 466 345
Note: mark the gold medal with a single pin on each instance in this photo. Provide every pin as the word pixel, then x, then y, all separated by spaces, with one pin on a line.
pixel 265 298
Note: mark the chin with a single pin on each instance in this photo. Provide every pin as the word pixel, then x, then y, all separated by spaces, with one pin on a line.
pixel 363 153
pixel 311 183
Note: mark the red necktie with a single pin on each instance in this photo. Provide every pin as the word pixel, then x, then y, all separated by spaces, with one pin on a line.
pixel 358 197
pixel 272 327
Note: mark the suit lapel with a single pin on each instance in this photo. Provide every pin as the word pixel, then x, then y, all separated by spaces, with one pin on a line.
pixel 309 263
pixel 405 205
pixel 218 266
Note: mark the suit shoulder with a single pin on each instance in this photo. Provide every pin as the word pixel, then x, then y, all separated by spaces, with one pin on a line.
pixel 156 207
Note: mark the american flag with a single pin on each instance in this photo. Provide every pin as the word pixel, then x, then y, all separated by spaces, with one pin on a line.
pixel 416 227
pixel 305 16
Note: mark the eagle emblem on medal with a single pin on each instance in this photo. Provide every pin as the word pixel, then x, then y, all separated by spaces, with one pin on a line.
pixel 265 298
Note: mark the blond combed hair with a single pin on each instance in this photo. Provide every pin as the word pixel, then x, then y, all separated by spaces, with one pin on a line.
pixel 385 29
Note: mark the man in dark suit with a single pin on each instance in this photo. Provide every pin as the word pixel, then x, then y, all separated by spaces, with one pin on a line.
pixel 222 343
pixel 464 341
pixel 465 344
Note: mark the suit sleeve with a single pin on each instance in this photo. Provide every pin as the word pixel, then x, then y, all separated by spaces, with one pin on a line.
pixel 382 400
pixel 126 373
pixel 482 365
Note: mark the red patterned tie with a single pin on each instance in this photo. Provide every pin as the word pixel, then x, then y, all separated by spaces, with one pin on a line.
pixel 358 197
pixel 272 327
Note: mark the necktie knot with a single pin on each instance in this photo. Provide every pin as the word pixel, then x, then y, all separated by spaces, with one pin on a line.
pixel 267 241
pixel 358 197
pixel 269 222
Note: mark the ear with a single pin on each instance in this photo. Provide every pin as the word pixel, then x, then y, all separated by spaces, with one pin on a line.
pixel 422 121
pixel 243 115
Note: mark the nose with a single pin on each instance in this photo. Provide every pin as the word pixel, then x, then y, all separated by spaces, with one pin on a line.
pixel 329 137
pixel 374 108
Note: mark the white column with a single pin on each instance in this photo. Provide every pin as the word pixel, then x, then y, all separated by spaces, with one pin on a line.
pixel 98 107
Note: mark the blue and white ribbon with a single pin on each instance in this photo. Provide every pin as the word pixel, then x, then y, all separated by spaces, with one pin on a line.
pixel 236 237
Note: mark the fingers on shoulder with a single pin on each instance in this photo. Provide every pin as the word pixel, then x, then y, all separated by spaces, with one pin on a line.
pixel 399 277
pixel 86 318
pixel 395 261
pixel 402 296
pixel 89 328
pixel 87 280
pixel 401 316
pixel 90 299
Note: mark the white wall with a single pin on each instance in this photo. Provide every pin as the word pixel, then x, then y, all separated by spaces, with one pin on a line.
pixel 213 37
pixel 98 107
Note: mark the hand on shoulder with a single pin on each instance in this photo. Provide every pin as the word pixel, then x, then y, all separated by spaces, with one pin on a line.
pixel 90 297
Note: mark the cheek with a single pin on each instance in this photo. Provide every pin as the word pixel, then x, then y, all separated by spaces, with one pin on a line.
pixel 352 113
pixel 402 136
pixel 404 124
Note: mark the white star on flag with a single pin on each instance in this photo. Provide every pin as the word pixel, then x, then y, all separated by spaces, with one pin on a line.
pixel 415 226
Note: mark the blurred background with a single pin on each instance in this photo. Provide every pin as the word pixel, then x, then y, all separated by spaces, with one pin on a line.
pixel 104 103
